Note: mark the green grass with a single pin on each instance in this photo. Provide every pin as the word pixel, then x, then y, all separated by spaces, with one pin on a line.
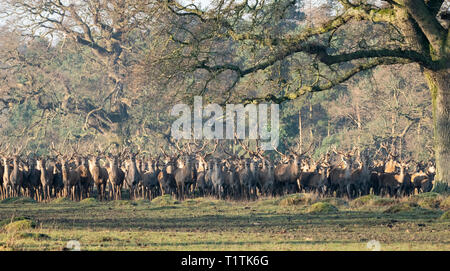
pixel 210 224
pixel 445 216
pixel 322 208
pixel 297 199
pixel 19 225
pixel 402 207
pixel 18 200
pixel 165 200
pixel 89 201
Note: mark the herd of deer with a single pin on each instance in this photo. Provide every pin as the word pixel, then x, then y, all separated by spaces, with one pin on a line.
pixel 189 171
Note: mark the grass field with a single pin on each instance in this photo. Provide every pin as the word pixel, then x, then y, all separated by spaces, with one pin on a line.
pixel 295 222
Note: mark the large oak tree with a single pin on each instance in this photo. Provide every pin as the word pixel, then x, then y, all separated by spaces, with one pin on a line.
pixel 355 36
pixel 112 34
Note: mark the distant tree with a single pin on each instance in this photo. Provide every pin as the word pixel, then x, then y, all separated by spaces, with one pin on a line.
pixel 110 32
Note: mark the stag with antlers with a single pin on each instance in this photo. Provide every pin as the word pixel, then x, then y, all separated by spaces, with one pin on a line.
pixel 12 178
pixel 340 174
pixel 288 171
pixel 99 175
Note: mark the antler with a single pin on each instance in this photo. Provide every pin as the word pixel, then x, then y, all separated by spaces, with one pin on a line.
pixel 307 150
pixel 257 153
pixel 164 153
pixel 177 146
pixel 54 150
pixel 214 149
pixel 283 156
pixel 6 151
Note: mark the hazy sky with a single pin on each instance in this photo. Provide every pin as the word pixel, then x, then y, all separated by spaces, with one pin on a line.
pixel 205 3
pixel 200 3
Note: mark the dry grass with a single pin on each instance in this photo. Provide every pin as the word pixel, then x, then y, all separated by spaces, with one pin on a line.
pixel 303 222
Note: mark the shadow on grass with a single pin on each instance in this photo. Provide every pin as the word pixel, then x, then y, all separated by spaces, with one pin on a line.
pixel 107 215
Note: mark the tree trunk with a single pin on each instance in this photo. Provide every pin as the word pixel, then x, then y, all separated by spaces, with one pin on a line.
pixel 439 84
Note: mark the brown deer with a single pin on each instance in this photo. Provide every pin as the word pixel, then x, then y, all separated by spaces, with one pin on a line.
pixel 244 175
pixel 288 171
pixel 201 169
pixel 31 181
pixel 2 168
pixel 6 174
pixel 183 177
pixel 359 182
pixel 99 176
pixel 388 180
pixel 404 179
pixel 71 175
pixel 267 177
pixel 71 179
pixel 86 180
pixel 422 181
pixel 150 183
pixel 12 177
pixel 132 176
pixel 116 178
pixel 252 182
pixel 316 178
pixel 46 178
pixel 16 177
pixel 218 179
pixel 307 171
pixel 340 175
pixel 166 178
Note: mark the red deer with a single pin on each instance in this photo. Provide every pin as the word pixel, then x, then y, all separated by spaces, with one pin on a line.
pixel 423 181
pixel 404 180
pixel 166 177
pixel 317 180
pixel 208 177
pixel 57 184
pixel 201 169
pixel 132 176
pixel 340 175
pixel 387 181
pixel 86 180
pixel 150 185
pixel 71 179
pixel 286 174
pixel 32 179
pixel 46 178
pixel 71 176
pixel 359 182
pixel 231 180
pixel 16 177
pixel 1 174
pixel 390 182
pixel 12 177
pixel 217 179
pixel 267 177
pixel 244 175
pixel 116 178
pixel 6 174
pixel 375 173
pixel 200 182
pixel 306 173
pixel 183 177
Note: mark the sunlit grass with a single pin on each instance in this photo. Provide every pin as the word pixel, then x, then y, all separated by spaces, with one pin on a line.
pixel 211 224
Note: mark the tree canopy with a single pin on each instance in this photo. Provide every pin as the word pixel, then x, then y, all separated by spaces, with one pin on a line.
pixel 95 70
